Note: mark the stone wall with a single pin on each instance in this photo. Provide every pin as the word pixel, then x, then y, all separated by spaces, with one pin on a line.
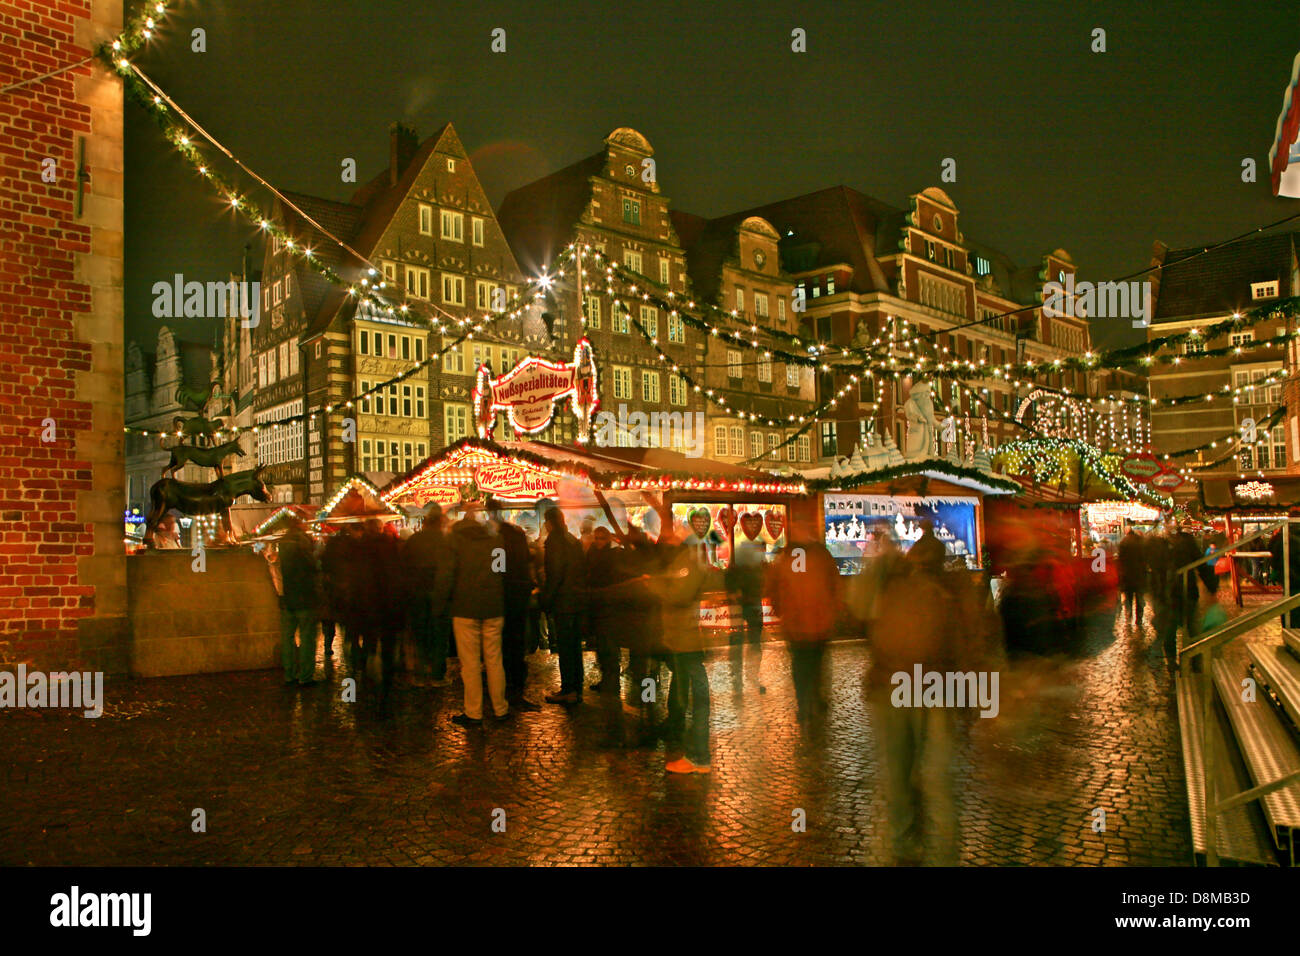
pixel 183 621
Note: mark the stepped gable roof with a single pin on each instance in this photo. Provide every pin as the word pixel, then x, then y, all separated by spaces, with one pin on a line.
pixel 538 219
pixel 360 223
pixel 709 243
pixel 342 220
pixel 1218 282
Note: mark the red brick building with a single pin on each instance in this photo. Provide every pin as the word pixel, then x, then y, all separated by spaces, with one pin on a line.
pixel 62 561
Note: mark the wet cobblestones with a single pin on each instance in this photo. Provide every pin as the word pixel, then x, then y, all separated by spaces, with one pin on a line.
pixel 295 776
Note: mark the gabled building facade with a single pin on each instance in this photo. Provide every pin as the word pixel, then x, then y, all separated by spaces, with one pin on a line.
pixel 1194 289
pixel 861 268
pixel 734 263
pixel 426 226
pixel 611 202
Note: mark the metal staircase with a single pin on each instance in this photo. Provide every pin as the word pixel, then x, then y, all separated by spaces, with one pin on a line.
pixel 1239 717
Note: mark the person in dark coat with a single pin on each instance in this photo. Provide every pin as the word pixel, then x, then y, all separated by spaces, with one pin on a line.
pixel 378 602
pixel 604 614
pixel 744 581
pixel 1132 576
pixel 299 604
pixel 471 586
pixel 422 554
pixel 1159 559
pixel 519 585
pixel 563 597
pixel 339 579
pixel 927 550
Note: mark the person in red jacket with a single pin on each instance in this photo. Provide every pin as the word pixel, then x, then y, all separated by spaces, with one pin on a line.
pixel 804 585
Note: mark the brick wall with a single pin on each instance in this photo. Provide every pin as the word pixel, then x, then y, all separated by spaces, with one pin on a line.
pixel 62 566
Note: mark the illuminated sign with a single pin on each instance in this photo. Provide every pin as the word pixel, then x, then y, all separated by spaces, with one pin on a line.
pixel 1141 467
pixel 507 479
pixel 1254 490
pixel 529 391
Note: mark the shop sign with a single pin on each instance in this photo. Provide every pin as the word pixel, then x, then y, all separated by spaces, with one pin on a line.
pixel 1168 480
pixel 528 393
pixel 1141 467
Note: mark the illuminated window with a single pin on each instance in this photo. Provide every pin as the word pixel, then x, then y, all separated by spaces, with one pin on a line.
pixel 476 226
pixel 650 320
pixel 650 386
pixel 453 289
pixel 426 220
pixel 719 441
pixel 734 367
pixel 676 328
pixel 592 311
pixel 453 225
pixel 736 441
pixel 676 390
pixel 455 421
pixel 622 381
pixel 417 281
pixel 765 370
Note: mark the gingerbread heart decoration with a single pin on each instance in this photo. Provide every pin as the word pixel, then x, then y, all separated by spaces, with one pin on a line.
pixel 727 518
pixel 775 522
pixel 700 522
pixel 751 522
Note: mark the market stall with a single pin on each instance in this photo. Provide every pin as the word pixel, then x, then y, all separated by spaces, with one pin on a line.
pixel 859 509
pixel 723 511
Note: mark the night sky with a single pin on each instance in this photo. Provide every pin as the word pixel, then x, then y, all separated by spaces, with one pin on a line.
pixel 1056 146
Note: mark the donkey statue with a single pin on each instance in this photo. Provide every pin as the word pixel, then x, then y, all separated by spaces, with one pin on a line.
pixel 207 457
pixel 215 497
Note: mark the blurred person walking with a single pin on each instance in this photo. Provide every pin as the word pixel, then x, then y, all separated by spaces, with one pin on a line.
pixel 423 553
pixel 379 602
pixel 471 586
pixel 299 604
pixel 604 613
pixel 805 591
pixel 678 587
pixel 1132 576
pixel 744 581
pixel 929 621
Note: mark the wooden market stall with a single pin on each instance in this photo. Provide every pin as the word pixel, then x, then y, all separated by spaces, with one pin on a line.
pixel 717 507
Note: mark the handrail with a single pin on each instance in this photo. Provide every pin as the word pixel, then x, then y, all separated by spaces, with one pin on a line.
pixel 1215 555
pixel 1240 624
pixel 1206 648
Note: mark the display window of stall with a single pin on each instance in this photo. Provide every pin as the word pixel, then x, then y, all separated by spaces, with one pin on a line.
pixel 1109 521
pixel 855 525
pixel 726 532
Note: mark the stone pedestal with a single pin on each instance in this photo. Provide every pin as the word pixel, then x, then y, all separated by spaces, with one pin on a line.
pixel 226 618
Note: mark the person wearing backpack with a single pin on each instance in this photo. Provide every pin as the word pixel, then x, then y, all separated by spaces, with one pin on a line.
pixel 804 585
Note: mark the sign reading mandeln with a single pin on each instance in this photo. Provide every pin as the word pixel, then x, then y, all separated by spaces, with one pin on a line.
pixel 529 391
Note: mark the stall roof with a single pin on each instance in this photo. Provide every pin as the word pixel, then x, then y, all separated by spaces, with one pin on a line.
pixel 649 469
pixel 931 468
pixel 356 499
pixel 1262 494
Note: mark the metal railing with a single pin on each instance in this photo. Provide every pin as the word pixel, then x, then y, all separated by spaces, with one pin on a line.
pixel 1201 652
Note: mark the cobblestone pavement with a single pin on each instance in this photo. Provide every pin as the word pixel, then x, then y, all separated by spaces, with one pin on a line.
pixel 296 776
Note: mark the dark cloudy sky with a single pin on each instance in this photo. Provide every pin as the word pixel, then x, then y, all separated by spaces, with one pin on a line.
pixel 1056 146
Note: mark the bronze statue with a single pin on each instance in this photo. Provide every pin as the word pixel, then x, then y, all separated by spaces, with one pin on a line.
pixel 216 497
pixel 199 428
pixel 208 457
pixel 195 399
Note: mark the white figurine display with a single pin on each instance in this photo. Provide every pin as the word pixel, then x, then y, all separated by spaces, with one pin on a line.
pixel 922 427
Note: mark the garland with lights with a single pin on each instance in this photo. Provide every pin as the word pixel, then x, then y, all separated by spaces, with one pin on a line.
pixel 942 466
pixel 1035 452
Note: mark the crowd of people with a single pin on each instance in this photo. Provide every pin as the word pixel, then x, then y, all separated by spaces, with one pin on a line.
pixel 483 586
pixel 1149 580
